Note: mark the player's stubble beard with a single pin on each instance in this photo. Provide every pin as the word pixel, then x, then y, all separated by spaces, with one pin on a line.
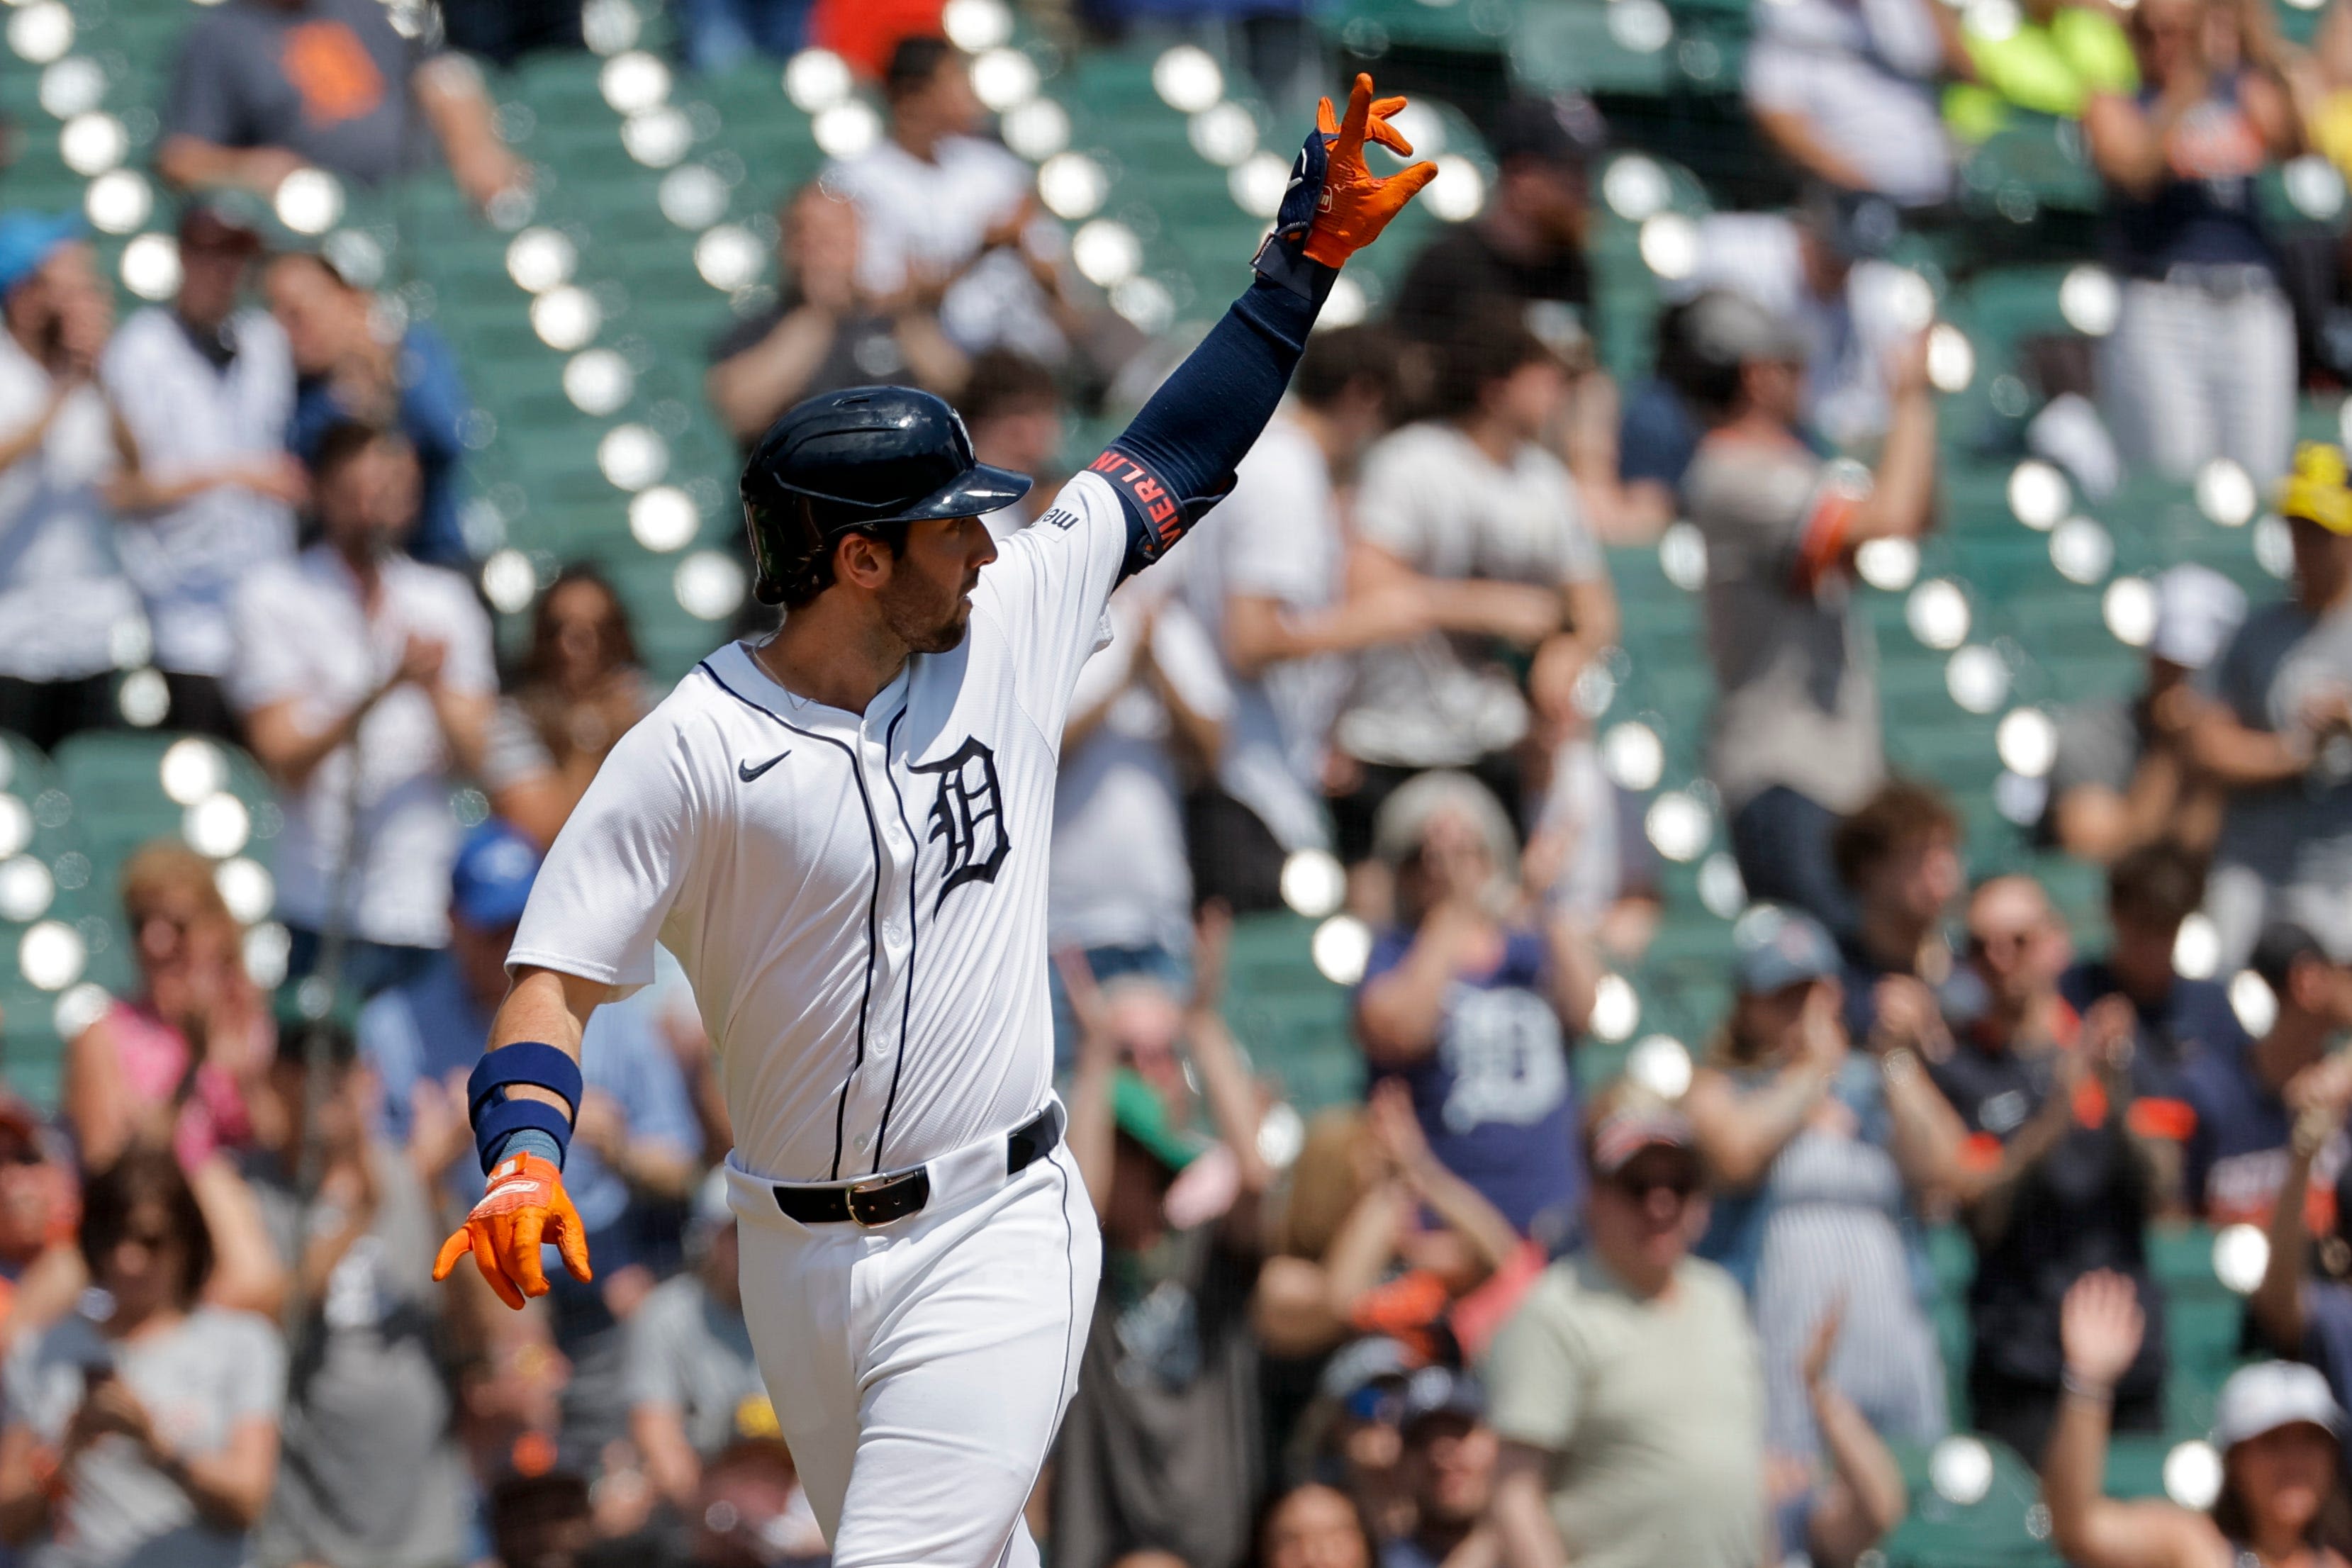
pixel 921 612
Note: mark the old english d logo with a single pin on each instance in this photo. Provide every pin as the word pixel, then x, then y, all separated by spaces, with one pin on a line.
pixel 969 813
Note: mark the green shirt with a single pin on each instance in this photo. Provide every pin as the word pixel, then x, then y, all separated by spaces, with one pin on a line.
pixel 1653 1412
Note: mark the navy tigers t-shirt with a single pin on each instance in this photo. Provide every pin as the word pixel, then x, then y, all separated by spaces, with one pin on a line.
pixel 1497 1099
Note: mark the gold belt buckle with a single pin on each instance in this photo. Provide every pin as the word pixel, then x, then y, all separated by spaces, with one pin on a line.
pixel 870 1185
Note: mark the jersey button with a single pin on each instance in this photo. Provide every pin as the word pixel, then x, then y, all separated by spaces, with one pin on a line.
pixel 864 1141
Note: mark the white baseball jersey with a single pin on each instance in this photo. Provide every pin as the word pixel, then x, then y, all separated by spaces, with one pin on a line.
pixel 859 901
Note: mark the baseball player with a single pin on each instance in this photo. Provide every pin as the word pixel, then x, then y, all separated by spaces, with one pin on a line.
pixel 841 832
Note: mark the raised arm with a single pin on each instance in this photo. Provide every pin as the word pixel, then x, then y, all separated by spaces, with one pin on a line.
pixel 2101 1328
pixel 1179 455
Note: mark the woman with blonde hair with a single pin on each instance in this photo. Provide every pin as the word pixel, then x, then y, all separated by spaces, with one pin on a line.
pixel 1351 1252
pixel 182 1064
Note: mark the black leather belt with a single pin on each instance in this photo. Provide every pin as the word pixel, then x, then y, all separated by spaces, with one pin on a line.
pixel 878 1200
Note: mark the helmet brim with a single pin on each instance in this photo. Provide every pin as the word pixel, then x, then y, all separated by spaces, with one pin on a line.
pixel 976 493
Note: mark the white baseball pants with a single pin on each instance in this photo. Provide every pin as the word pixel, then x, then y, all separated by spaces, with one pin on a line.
pixel 920 1371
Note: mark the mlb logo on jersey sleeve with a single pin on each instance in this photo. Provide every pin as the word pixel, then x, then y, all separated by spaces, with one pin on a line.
pixel 968 816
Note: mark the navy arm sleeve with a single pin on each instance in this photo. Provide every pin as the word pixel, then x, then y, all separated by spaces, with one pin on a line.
pixel 1177 460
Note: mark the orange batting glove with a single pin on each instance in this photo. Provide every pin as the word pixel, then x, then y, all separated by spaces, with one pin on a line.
pixel 525 1205
pixel 1355 206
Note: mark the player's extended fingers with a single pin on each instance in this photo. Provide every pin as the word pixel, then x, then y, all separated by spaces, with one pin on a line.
pixel 1326 119
pixel 456 1247
pixel 485 1259
pixel 571 1239
pixel 1378 128
pixel 1351 129
pixel 522 1251
pixel 1402 187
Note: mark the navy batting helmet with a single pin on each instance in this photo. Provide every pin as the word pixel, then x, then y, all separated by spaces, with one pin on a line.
pixel 853 462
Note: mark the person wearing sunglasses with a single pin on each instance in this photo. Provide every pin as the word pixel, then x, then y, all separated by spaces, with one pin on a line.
pixel 1628 1388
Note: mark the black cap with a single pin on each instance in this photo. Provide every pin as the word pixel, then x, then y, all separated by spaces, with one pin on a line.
pixel 1562 128
pixel 849 462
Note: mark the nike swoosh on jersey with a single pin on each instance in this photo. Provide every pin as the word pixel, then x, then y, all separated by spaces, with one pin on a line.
pixel 747 772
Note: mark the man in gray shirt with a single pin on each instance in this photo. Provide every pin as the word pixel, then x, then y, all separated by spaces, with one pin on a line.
pixel 2277 732
pixel 1796 737
pixel 693 1386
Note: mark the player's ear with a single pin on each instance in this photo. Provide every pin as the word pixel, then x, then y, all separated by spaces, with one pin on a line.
pixel 863 560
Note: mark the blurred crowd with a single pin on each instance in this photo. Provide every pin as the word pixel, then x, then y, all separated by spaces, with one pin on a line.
pixel 1478 1318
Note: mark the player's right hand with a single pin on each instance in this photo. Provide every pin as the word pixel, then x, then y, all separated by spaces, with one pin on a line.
pixel 526 1205
pixel 1355 206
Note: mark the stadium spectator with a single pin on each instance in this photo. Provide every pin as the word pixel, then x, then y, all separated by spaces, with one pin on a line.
pixel 1626 1389
pixel 752 1513
pixel 1353 1249
pixel 1013 411
pixel 1829 1512
pixel 151 1436
pixel 579 690
pixel 2201 362
pixel 1822 268
pixel 1346 1437
pixel 1795 736
pixel 1166 1412
pixel 2123 775
pixel 1526 244
pixel 2280 1432
pixel 2151 891
pixel 205 390
pixel 1469 512
pixel 41 1272
pixel 343 370
pixel 828 328
pixel 262 87
pixel 366 683
pixel 64 602
pixel 1143 711
pixel 2074 1148
pixel 1263 572
pixel 1899 857
pixel 2299 1310
pixel 1311 1526
pixel 2237 1154
pixel 1820 1158
pixel 370 1470
pixel 694 1389
pixel 945 211
pixel 1844 90
pixel 1475 1004
pixel 2277 733
pixel 1449 1465
pixel 182 1064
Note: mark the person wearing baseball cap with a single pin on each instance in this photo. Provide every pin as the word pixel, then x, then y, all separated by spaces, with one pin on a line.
pixel 62 595
pixel 1828 1223
pixel 2122 775
pixel 2276 730
pixel 2280 1431
pixel 1448 1466
pixel 1627 1388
